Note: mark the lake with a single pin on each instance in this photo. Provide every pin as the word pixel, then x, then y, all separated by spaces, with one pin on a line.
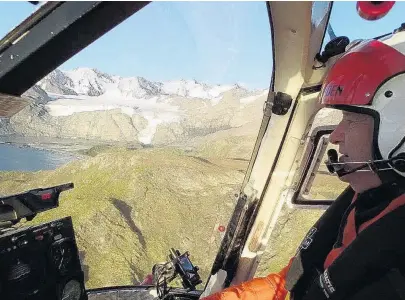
pixel 22 158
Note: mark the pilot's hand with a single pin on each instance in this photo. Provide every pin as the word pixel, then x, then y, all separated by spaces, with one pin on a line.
pixel 148 280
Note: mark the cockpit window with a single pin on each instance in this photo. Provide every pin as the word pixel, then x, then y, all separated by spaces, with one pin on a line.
pixel 154 123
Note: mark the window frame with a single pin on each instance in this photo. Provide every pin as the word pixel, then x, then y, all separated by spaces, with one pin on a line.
pixel 314 150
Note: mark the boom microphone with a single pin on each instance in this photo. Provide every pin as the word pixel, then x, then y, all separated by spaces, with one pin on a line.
pixel 334 166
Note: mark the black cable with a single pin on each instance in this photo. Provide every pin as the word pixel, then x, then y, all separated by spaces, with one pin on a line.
pixel 396 147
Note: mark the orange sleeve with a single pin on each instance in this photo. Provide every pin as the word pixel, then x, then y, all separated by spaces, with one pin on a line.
pixel 270 287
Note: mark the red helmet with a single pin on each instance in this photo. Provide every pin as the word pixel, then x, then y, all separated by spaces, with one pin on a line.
pixel 370 78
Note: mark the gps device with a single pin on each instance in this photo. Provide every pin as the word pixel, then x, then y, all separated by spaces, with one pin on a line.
pixel 185 268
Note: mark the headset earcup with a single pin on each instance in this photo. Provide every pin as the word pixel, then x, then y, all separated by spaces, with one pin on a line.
pixel 398 162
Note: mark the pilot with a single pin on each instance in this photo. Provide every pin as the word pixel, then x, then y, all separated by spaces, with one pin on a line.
pixel 356 249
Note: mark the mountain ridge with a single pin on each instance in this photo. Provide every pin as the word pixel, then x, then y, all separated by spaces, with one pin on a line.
pixel 93 82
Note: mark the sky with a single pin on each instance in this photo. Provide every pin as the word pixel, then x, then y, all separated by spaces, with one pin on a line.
pixel 212 42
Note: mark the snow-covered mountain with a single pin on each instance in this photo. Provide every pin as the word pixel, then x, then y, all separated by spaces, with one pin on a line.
pixel 91 82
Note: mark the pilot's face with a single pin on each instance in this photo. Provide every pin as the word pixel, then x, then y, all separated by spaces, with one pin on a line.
pixel 354 136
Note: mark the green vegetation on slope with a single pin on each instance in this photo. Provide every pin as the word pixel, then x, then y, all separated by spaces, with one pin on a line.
pixel 233 146
pixel 130 206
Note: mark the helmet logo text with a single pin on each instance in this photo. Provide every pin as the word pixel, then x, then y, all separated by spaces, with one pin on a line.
pixel 333 90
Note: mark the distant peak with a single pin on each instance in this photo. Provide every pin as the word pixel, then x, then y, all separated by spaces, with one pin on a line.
pixel 142 79
pixel 85 70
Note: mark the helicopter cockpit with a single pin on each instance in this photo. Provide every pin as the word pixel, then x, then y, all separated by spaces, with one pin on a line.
pixel 164 187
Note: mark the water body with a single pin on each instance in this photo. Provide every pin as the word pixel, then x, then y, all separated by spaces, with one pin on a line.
pixel 22 158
